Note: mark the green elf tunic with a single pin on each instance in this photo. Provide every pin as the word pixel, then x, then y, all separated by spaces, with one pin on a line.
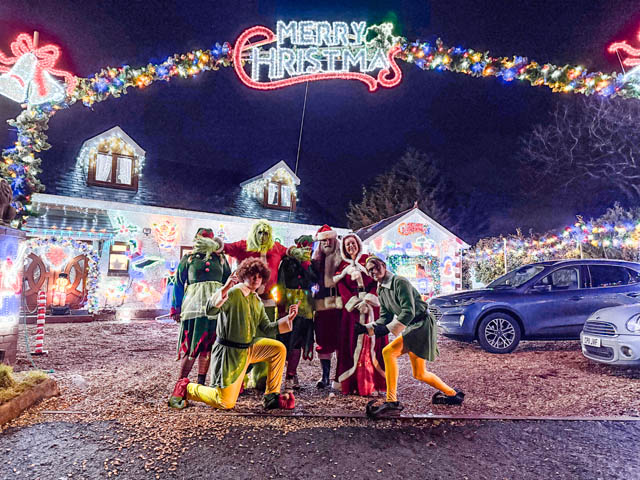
pixel 198 277
pixel 242 316
pixel 400 299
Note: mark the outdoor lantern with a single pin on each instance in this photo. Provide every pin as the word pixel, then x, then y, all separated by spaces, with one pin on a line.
pixel 59 297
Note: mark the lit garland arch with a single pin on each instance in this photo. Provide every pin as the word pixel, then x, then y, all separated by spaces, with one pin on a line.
pixel 39 246
pixel 21 166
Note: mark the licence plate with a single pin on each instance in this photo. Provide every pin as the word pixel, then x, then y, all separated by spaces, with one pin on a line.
pixel 591 341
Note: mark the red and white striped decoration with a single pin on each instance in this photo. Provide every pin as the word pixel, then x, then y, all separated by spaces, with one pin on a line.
pixel 42 306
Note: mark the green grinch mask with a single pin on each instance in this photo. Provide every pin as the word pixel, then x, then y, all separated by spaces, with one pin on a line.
pixel 260 237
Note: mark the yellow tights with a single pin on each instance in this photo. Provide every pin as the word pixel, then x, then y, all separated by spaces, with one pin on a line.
pixel 265 349
pixel 390 353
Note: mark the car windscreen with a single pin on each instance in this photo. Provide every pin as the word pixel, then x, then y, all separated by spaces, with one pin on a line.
pixel 516 277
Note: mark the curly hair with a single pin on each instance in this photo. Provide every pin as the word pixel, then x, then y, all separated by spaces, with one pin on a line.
pixel 251 266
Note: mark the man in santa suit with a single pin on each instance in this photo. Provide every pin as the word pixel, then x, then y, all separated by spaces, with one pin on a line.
pixel 261 244
pixel 327 301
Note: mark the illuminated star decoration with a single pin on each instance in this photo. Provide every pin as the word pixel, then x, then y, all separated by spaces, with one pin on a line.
pixel 28 74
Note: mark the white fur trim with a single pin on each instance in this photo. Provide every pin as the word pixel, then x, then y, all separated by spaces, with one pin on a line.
pixel 343 252
pixel 351 303
pixel 326 235
pixel 395 327
pixel 372 300
pixel 220 242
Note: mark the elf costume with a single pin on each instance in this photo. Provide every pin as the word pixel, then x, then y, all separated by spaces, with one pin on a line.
pixel 242 315
pixel 326 300
pixel 360 367
pixel 295 279
pixel 199 275
pixel 416 334
pixel 260 244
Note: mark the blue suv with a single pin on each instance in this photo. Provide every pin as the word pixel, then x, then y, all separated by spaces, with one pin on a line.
pixel 541 301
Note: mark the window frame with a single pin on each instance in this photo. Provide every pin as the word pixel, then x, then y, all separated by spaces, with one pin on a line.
pixel 120 272
pixel 279 205
pixel 91 175
pixel 582 278
pixel 588 267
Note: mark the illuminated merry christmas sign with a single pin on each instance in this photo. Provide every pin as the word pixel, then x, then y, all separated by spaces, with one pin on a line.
pixel 308 51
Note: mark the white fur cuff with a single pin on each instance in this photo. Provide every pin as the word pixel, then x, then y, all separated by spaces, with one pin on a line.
pixel 351 304
pixel 395 327
pixel 372 300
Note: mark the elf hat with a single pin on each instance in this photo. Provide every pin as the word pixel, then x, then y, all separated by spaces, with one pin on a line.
pixel 205 232
pixel 325 233
pixel 304 241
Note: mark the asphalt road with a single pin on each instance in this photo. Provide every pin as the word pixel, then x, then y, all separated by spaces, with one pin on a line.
pixel 359 449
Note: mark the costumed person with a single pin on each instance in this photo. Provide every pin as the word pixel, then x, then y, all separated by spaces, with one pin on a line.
pixel 327 302
pixel 406 315
pixel 199 275
pixel 295 279
pixel 261 244
pixel 360 367
pixel 237 345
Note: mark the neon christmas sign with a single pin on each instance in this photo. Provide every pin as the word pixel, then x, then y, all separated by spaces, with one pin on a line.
pixel 308 51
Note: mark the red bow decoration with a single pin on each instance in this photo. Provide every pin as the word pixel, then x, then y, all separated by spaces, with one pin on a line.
pixel 47 56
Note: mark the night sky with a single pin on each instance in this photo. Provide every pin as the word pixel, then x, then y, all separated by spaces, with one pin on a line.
pixel 350 135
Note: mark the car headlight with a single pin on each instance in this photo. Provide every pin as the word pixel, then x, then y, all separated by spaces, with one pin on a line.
pixel 633 324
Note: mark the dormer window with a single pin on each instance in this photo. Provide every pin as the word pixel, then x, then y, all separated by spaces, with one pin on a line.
pixel 279 195
pixel 112 159
pixel 114 170
pixel 275 188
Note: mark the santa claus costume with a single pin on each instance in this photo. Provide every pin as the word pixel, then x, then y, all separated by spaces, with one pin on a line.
pixel 360 367
pixel 326 301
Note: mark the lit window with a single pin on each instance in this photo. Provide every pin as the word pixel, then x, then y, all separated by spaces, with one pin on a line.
pixel 113 170
pixel 118 259
pixel 280 196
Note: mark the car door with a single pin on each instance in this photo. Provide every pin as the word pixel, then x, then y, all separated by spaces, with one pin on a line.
pixel 556 304
pixel 611 285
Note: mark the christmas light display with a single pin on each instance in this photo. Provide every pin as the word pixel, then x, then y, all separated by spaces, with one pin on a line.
pixel 74 248
pixel 318 51
pixel 166 234
pixel 28 74
pixel 10 278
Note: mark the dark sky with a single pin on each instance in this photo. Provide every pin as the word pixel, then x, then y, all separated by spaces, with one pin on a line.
pixel 350 135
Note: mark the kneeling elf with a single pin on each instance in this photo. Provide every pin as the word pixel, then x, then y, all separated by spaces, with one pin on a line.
pixel 416 334
pixel 242 313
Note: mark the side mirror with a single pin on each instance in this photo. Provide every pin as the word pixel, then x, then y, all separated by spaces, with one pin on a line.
pixel 541 288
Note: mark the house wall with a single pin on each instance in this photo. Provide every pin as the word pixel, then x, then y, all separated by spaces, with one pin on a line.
pixel 422 252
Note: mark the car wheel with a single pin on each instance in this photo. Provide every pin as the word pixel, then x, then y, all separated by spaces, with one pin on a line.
pixel 499 333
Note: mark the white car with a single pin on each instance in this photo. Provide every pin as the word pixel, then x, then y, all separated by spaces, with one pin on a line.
pixel 612 335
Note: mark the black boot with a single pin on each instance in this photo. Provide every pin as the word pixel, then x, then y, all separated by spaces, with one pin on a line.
pixel 202 378
pixel 326 372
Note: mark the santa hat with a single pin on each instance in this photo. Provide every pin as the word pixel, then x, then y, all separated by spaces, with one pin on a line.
pixel 325 233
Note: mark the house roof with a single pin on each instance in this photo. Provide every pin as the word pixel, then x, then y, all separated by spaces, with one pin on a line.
pixel 385 224
pixel 139 151
pixel 77 221
pixel 266 174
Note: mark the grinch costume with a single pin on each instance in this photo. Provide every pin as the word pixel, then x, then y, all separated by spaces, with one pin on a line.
pixel 406 315
pixel 295 279
pixel 360 368
pixel 260 244
pixel 326 300
pixel 242 316
pixel 199 275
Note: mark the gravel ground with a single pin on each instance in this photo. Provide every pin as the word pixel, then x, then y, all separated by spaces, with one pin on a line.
pixel 106 366
pixel 116 378
pixel 434 450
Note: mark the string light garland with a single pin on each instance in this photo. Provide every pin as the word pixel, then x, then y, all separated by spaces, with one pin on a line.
pixel 76 247
pixel 21 166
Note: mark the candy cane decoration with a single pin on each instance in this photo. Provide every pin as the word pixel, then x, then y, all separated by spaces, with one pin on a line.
pixel 42 305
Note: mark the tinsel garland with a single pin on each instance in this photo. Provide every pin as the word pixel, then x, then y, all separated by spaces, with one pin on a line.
pixel 92 263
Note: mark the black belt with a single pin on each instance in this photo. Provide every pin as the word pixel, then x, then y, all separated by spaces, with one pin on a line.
pixel 229 343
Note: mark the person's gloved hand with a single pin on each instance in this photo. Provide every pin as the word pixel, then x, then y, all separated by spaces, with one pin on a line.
pixel 301 254
pixel 380 330
pixel 359 329
pixel 362 307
